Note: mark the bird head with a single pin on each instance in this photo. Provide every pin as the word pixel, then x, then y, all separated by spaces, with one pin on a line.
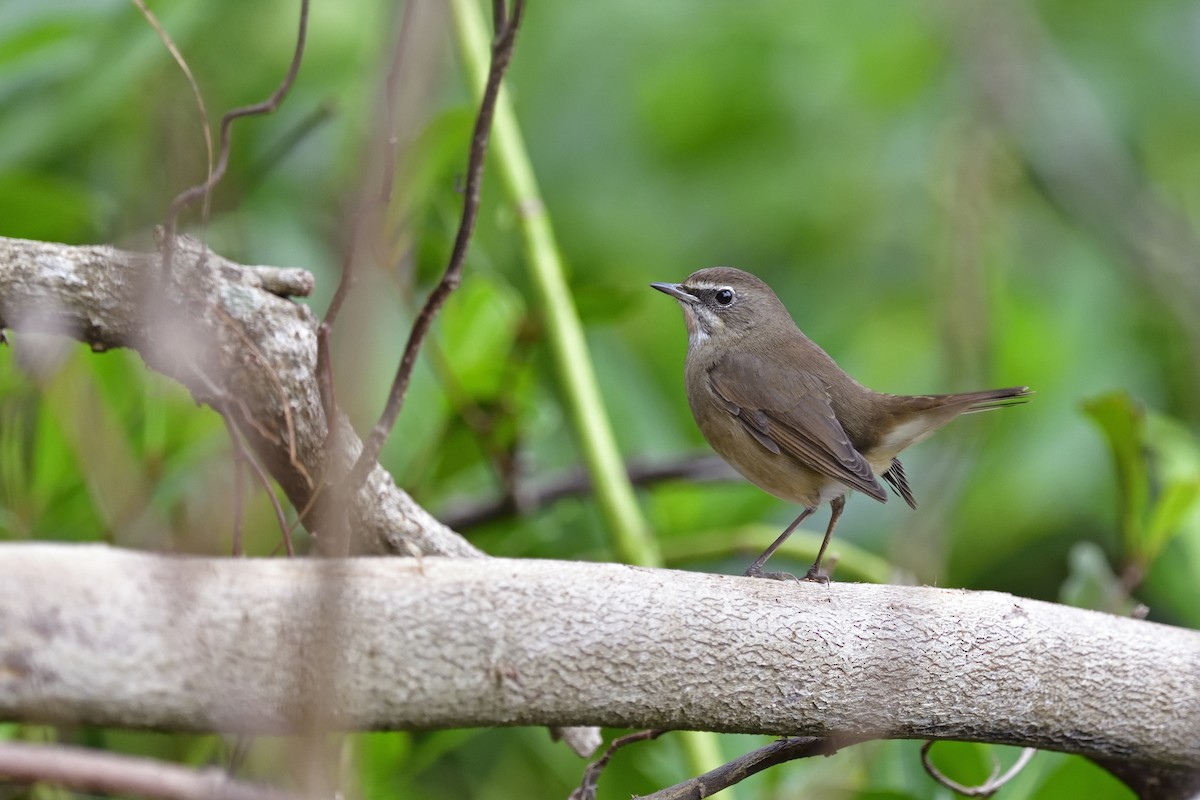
pixel 722 304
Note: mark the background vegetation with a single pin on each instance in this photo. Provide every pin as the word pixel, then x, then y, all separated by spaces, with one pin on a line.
pixel 948 196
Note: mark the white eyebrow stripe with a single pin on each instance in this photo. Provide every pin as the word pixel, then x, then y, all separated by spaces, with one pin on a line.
pixel 707 285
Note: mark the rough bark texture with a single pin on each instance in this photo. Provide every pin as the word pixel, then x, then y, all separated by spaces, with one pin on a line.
pixel 225 332
pixel 109 637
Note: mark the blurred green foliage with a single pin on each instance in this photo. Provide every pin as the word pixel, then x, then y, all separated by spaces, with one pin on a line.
pixel 947 196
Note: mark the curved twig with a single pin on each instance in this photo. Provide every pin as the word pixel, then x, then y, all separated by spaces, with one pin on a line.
pixel 989 787
pixel 169 43
pixel 722 777
pixel 241 454
pixel 189 196
pixel 591 776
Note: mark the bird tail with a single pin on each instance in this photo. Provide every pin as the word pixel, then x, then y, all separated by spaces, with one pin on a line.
pixel 993 398
pixel 969 402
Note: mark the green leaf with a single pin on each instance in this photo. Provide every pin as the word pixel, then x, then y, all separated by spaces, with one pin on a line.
pixel 1175 465
pixel 1178 502
pixel 1091 582
pixel 1122 420
pixel 479 328
pixel 1158 474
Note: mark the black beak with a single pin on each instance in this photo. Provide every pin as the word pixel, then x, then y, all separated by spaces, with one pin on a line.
pixel 677 291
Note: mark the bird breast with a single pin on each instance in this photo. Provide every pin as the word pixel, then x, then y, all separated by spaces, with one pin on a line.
pixel 775 473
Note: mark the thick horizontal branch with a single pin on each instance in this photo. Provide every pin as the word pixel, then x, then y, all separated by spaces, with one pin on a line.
pixel 231 336
pixel 107 637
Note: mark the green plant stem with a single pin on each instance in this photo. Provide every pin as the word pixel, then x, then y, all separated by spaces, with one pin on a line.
pixel 631 537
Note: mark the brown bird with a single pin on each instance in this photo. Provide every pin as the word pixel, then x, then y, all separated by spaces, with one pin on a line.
pixel 783 414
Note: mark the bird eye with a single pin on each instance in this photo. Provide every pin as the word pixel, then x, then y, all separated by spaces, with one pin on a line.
pixel 724 297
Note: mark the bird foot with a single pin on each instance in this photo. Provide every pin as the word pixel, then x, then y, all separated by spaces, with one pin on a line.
pixel 816 576
pixel 756 572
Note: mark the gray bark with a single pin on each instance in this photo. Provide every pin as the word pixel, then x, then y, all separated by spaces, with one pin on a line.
pixel 101 636
pixel 225 332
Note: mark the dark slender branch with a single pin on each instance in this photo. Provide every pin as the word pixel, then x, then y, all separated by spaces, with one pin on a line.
pixel 189 196
pixel 502 49
pixel 741 768
pixel 591 776
pixel 723 776
pixel 468 513
pixel 993 784
pixel 96 771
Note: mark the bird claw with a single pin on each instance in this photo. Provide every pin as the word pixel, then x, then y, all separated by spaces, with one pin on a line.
pixel 813 575
pixel 816 576
pixel 771 576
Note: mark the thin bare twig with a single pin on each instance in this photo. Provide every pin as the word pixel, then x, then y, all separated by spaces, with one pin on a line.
pixel 97 771
pixel 189 196
pixel 502 49
pixel 499 13
pixel 989 787
pixel 743 767
pixel 191 80
pixel 238 501
pixel 243 454
pixel 723 776
pixel 591 776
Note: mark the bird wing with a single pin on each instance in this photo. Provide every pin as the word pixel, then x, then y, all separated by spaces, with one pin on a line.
pixel 799 423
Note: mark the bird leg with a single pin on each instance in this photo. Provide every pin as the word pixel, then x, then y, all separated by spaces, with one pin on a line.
pixel 814 572
pixel 756 571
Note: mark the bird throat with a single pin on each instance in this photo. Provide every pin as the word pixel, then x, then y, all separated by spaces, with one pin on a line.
pixel 698 335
